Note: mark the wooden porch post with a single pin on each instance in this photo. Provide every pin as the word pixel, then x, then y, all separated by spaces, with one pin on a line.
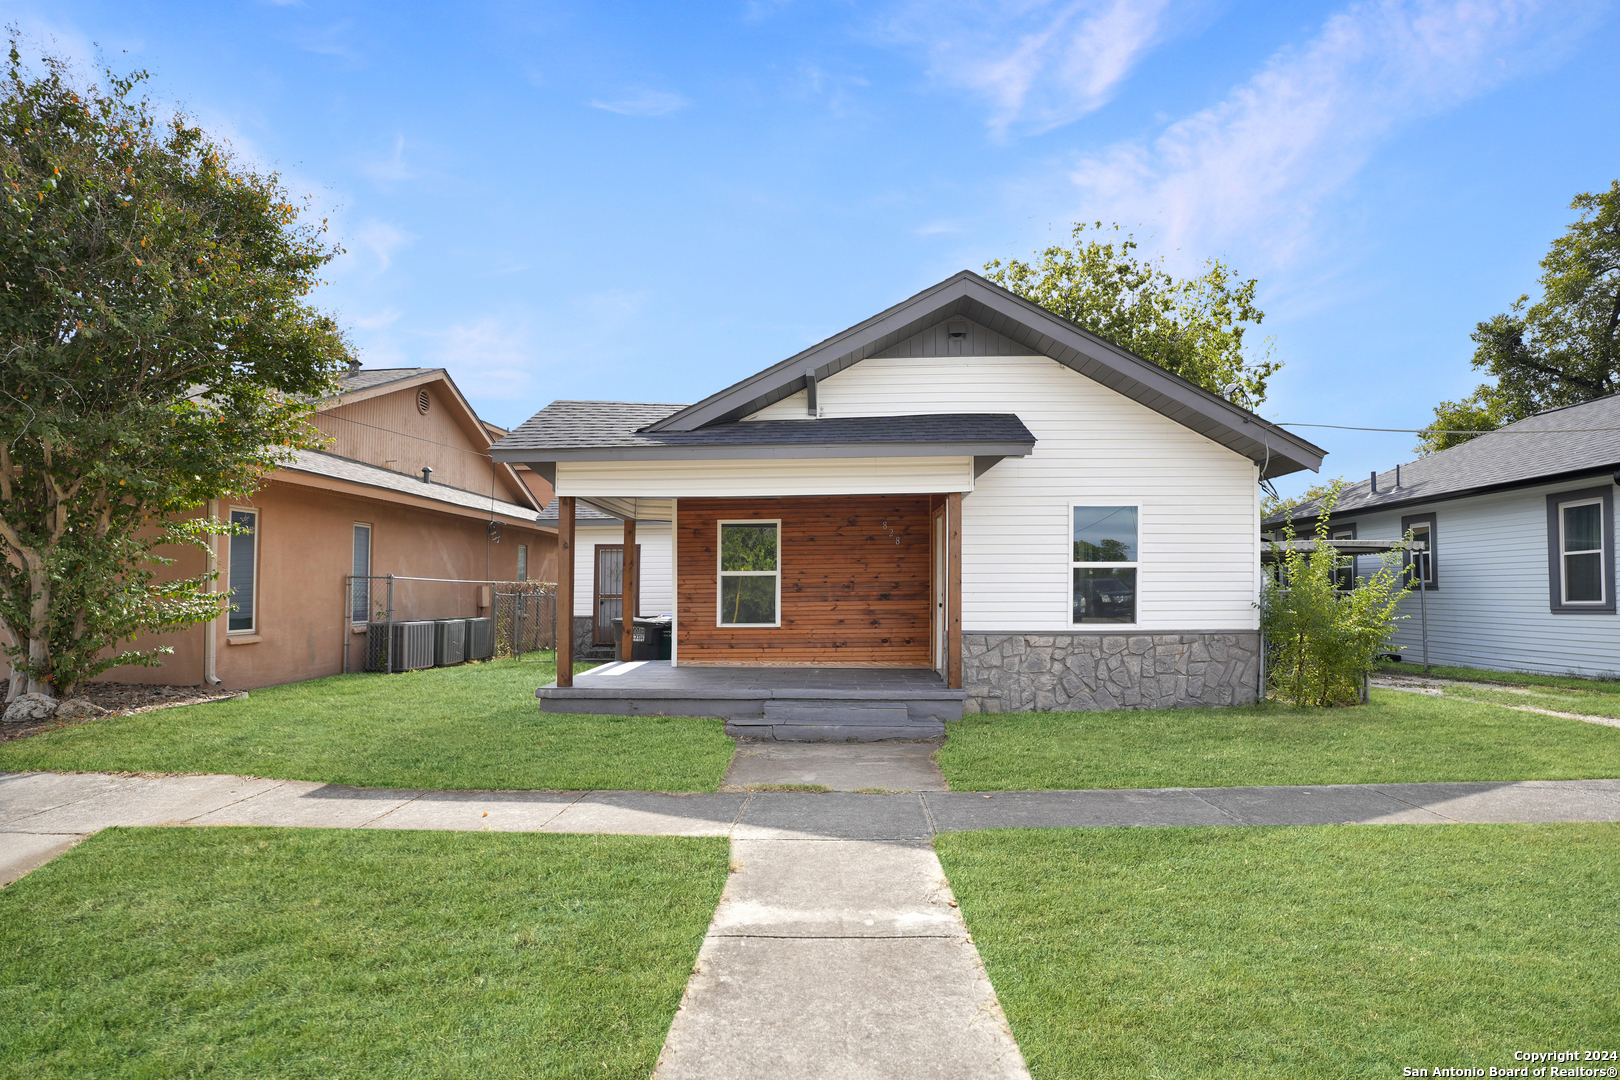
pixel 565 590
pixel 631 591
pixel 953 590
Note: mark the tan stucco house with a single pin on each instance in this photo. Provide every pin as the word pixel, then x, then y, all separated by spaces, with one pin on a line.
pixel 405 486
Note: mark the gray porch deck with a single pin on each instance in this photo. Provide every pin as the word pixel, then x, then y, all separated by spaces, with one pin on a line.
pixel 785 703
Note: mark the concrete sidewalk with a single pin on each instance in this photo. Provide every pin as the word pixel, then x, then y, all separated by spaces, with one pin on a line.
pixel 42 814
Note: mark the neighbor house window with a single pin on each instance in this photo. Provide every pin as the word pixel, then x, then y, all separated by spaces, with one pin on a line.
pixel 750 573
pixel 243 574
pixel 1104 560
pixel 1422 564
pixel 1344 569
pixel 523 562
pixel 361 606
pixel 1580 551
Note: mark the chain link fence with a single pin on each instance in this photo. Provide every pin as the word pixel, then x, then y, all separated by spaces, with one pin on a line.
pixel 525 617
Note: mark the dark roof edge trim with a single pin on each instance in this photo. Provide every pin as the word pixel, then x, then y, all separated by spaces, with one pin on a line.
pixel 1452 496
pixel 536 458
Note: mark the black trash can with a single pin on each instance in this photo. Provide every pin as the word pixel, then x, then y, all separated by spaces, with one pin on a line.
pixel 651 639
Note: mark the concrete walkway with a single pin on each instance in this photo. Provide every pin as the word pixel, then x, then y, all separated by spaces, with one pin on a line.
pixel 837 948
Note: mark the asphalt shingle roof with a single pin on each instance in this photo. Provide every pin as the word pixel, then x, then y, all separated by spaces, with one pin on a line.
pixel 319 463
pixel 1572 440
pixel 366 378
pixel 583 514
pixel 615 425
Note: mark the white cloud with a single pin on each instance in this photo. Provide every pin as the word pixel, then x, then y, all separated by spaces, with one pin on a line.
pixel 392 168
pixel 644 103
pixel 938 228
pixel 1040 63
pixel 1260 164
pixel 386 317
pixel 383 239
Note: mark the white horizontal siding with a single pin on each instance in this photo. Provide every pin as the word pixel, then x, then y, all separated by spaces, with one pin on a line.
pixel 656 569
pixel 765 477
pixel 1198 532
pixel 1491 607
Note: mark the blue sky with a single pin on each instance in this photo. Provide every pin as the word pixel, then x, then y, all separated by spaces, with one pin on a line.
pixel 647 202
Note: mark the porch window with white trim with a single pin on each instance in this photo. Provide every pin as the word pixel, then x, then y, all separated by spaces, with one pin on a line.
pixel 1104 563
pixel 243 574
pixel 362 574
pixel 750 586
pixel 1580 551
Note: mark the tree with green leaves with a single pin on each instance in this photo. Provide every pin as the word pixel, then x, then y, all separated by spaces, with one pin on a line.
pixel 1192 326
pixel 1562 350
pixel 158 353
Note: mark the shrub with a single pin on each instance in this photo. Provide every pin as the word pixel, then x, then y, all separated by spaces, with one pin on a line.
pixel 1321 640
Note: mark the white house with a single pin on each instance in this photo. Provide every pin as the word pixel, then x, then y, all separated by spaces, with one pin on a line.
pixel 965 483
pixel 1520 523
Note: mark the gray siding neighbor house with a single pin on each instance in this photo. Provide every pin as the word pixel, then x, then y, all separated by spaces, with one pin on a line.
pixel 1520 523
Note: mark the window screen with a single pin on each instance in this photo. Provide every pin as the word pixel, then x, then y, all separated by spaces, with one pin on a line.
pixel 243 573
pixel 362 574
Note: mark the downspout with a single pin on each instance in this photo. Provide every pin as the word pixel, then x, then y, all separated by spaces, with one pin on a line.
pixel 210 646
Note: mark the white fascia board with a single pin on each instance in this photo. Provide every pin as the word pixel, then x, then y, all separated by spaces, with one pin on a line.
pixel 600 480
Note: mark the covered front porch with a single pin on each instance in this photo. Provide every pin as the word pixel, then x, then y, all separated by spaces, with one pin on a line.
pixel 793 703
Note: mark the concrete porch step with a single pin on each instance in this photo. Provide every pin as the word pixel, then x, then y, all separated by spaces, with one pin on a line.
pixel 843 721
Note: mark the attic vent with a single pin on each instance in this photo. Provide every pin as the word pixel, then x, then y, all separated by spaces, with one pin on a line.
pixel 423 402
pixel 957 328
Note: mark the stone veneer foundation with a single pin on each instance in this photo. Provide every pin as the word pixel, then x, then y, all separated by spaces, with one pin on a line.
pixel 1090 670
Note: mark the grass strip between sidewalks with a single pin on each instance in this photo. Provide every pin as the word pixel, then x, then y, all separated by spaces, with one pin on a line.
pixel 230 952
pixel 1322 951
pixel 1398 738
pixel 475 726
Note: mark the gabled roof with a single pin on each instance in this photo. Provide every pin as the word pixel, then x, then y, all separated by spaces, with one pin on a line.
pixel 1578 440
pixel 970 296
pixel 362 384
pixel 597 430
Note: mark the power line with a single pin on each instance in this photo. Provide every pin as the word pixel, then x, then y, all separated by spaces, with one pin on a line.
pixel 405 434
pixel 1454 431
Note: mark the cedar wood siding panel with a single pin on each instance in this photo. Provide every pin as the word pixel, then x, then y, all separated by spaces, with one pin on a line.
pixel 1199 545
pixel 1491 607
pixel 653 536
pixel 851 595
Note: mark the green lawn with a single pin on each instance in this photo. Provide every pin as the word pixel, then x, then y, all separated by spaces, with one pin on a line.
pixel 1398 738
pixel 1563 693
pixel 1344 951
pixel 473 726
pixel 339 953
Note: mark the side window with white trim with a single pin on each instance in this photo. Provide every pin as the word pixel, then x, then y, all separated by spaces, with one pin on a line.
pixel 1104 563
